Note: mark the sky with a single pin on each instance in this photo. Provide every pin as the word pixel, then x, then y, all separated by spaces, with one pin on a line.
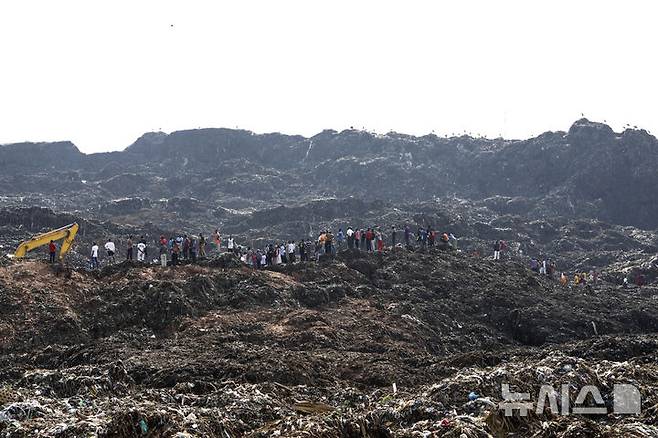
pixel 101 73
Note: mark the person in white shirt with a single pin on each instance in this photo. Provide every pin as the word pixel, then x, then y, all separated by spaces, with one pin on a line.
pixel 141 251
pixel 282 253
pixel 350 237
pixel 111 249
pixel 94 256
pixel 230 244
pixel 291 252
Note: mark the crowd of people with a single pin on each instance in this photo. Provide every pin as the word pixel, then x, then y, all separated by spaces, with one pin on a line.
pixel 547 268
pixel 186 247
pixel 172 250
pixel 189 248
pixel 362 239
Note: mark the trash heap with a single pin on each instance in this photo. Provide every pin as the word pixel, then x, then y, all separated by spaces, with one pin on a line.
pixel 399 344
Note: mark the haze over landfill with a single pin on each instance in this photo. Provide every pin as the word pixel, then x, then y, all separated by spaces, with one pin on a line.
pixel 102 75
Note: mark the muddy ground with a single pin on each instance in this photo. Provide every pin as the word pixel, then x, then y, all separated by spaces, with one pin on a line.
pixel 363 345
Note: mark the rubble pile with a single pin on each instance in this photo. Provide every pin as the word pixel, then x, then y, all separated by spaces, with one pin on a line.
pixel 399 344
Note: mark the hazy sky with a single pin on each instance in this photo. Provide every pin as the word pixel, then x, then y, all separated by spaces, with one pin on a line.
pixel 102 73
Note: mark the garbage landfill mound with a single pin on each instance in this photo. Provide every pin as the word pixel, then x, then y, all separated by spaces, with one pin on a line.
pixel 209 175
pixel 402 343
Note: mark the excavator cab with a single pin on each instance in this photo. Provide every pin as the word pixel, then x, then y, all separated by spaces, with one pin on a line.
pixel 66 234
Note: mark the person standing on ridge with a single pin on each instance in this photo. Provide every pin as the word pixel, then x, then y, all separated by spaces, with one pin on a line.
pixel 186 247
pixel 329 243
pixel 422 237
pixel 496 249
pixel 380 240
pixel 564 280
pixel 340 238
pixel 369 237
pixel 141 250
pixel 277 255
pixel 218 241
pixel 302 251
pixel 407 235
pixel 308 249
pixel 202 246
pixel 394 232
pixel 179 241
pixel 94 256
pixel 317 251
pixel 194 248
pixel 175 252
pixel 52 251
pixel 129 250
pixel 350 238
pixel 291 252
pixel 282 251
pixel 444 241
pixel 111 249
pixel 534 265
pixel 163 252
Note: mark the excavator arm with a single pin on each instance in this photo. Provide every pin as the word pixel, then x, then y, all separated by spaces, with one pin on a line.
pixel 67 233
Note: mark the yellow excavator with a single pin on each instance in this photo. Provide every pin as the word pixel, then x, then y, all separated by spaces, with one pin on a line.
pixel 67 233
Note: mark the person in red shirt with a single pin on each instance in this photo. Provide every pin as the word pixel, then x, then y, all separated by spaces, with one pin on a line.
pixel 52 251
pixel 369 237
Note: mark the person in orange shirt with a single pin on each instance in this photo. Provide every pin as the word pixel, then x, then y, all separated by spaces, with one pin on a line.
pixel 564 280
